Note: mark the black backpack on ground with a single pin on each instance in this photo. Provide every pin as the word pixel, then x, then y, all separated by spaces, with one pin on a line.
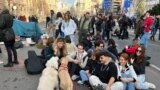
pixel 33 64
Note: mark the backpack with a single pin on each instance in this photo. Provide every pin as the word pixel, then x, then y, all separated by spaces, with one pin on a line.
pixel 33 64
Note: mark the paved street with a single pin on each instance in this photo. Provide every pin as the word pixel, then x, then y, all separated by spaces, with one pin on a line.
pixel 16 78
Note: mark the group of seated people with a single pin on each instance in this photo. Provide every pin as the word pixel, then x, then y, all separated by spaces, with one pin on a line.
pixel 99 66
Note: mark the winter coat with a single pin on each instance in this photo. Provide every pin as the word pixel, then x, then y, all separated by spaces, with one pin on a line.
pixel 147 24
pixel 6 23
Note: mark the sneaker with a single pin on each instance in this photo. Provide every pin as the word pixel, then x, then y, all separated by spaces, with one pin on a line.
pixel 151 86
pixel 1 62
pixel 99 87
pixel 80 82
pixel 74 77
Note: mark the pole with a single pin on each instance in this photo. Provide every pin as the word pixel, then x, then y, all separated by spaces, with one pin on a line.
pixel 159 29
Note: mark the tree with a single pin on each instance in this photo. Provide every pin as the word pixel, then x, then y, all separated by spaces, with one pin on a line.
pixel 155 10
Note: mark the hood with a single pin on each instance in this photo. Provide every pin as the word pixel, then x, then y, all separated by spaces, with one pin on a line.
pixel 6 11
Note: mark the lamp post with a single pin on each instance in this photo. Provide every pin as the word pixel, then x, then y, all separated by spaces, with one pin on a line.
pixel 14 9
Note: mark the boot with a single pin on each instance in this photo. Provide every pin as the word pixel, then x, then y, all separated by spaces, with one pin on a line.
pixel 15 62
pixel 0 50
pixel 8 65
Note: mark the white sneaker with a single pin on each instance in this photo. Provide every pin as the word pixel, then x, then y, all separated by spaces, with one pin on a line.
pixel 80 82
pixel 74 77
pixel 1 62
pixel 151 85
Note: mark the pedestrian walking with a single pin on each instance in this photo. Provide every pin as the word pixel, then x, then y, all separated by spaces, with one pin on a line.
pixel 147 25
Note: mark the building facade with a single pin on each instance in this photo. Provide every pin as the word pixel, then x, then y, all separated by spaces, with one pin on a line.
pixel 39 8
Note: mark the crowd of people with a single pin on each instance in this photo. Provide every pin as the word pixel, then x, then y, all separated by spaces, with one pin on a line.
pixel 91 62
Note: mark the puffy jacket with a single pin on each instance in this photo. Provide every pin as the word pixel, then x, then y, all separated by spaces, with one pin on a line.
pixel 147 24
pixel 6 20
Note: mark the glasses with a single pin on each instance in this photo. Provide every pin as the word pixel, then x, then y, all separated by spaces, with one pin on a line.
pixel 139 51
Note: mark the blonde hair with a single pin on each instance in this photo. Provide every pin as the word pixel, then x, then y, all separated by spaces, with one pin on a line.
pixel 64 48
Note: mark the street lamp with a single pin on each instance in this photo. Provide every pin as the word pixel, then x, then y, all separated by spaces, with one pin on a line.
pixel 14 9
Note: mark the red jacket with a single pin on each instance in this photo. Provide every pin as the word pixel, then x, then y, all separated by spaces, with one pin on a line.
pixel 132 49
pixel 147 24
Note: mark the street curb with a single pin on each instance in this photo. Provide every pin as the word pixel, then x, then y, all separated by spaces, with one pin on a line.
pixel 155 67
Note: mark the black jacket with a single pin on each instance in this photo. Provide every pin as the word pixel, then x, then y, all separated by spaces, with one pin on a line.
pixel 6 20
pixel 113 50
pixel 6 23
pixel 139 67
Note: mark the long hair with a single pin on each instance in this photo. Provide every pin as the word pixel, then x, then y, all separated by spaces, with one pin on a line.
pixel 66 19
pixel 140 58
pixel 111 42
pixel 64 48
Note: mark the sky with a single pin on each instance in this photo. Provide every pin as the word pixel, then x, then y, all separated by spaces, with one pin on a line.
pixel 70 2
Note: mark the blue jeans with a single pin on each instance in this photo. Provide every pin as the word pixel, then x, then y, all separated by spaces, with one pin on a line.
pixel 130 85
pixel 141 83
pixel 144 39
pixel 83 75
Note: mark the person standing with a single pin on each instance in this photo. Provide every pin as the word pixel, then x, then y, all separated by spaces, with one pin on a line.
pixel 108 27
pixel 84 27
pixel 51 24
pixel 6 22
pixel 123 27
pixel 147 25
pixel 53 16
pixel 58 24
pixel 68 27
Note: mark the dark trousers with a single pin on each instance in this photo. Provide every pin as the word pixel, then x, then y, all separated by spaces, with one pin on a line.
pixel 10 48
pixel 124 32
pixel 57 33
pixel 74 69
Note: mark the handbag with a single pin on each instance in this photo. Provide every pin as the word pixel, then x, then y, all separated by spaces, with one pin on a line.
pixel 9 34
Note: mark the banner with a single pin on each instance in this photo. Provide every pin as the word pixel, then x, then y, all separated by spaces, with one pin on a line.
pixel 26 28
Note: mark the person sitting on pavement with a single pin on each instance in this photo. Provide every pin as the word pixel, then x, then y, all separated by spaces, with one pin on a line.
pixel 112 47
pixel 71 47
pixel 60 48
pixel 47 51
pixel 77 61
pixel 126 72
pixel 139 63
pixel 131 49
pixel 98 45
pixel 91 64
pixel 87 41
pixel 105 73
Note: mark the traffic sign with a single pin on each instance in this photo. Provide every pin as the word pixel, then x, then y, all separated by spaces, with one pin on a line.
pixel 106 4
